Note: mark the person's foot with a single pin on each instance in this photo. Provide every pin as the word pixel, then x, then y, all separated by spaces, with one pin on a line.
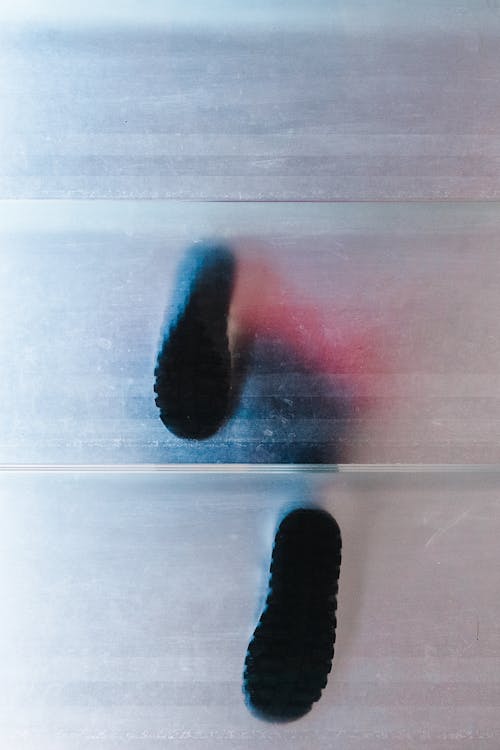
pixel 290 655
pixel 193 370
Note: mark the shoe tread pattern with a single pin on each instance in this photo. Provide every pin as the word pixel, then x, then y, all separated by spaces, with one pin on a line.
pixel 291 653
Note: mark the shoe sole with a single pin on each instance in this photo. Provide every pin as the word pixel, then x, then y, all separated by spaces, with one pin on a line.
pixel 291 652
pixel 193 370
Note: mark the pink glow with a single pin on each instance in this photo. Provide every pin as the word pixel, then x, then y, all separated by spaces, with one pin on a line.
pixel 264 304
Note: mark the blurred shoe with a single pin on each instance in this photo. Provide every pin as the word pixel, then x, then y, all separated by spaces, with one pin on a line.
pixel 193 370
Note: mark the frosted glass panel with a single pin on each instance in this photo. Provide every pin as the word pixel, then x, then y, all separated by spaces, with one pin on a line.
pixel 364 339
pixel 324 100
pixel 123 623
pixel 378 338
pixel 377 331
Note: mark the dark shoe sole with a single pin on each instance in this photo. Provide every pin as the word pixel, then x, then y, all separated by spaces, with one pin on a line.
pixel 291 653
pixel 193 370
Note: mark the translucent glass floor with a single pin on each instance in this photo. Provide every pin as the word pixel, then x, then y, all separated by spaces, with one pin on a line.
pixel 129 599
pixel 383 341
pixel 308 100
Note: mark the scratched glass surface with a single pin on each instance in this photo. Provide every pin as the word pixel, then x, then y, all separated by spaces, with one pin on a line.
pixel 130 594
pixel 303 100
pixel 375 331
pixel 129 599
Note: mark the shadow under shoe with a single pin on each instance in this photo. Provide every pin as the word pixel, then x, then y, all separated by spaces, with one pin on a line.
pixel 296 415
pixel 193 372
pixel 290 655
